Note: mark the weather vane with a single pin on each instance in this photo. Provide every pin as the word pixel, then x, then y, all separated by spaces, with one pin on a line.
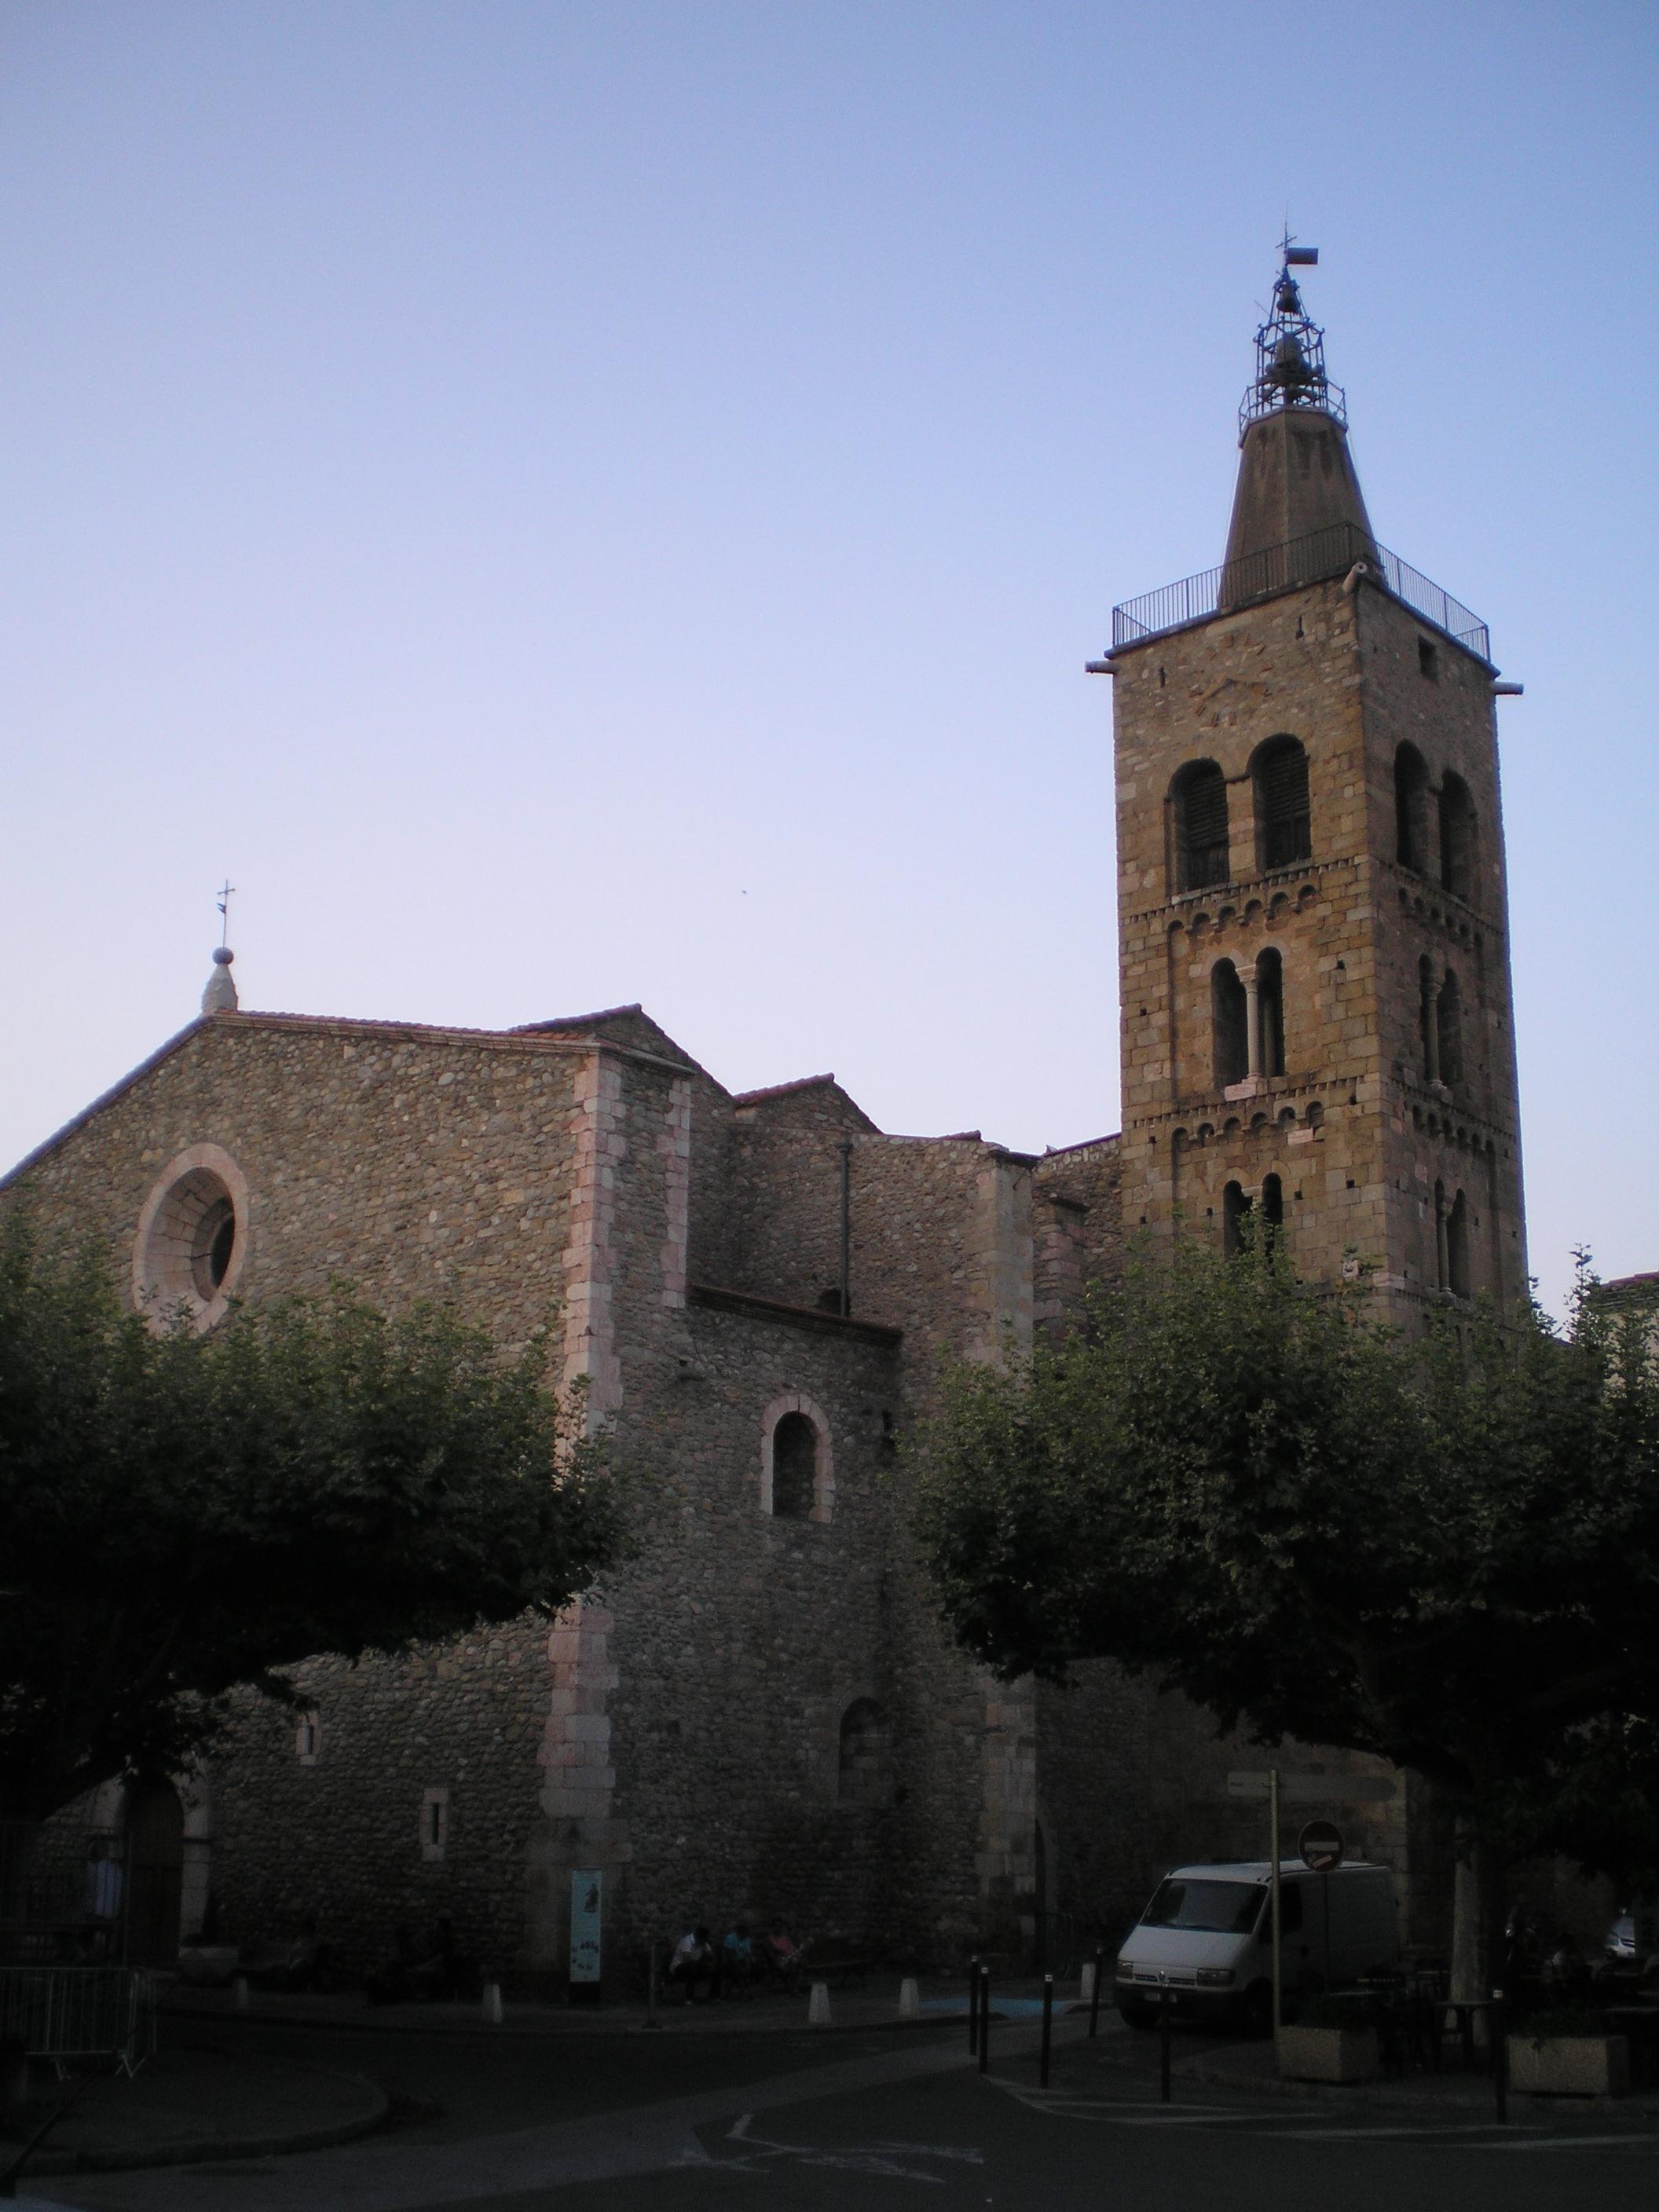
pixel 225 891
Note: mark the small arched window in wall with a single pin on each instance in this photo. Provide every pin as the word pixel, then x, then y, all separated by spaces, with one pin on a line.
pixel 1270 1012
pixel 1457 838
pixel 1272 1209
pixel 798 1480
pixel 865 1767
pixel 1283 830
pixel 1457 1248
pixel 1411 810
pixel 1199 793
pixel 1230 1024
pixel 1448 1030
pixel 1235 1210
pixel 795 1466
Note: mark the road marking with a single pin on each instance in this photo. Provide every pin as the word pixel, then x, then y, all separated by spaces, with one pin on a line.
pixel 887 2159
pixel 1568 2143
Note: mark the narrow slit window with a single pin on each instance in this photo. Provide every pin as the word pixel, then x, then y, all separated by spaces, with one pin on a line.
pixel 794 1467
pixel 1457 838
pixel 1235 1212
pixel 1411 829
pixel 1229 1020
pixel 1448 1030
pixel 1457 1248
pixel 1270 1011
pixel 1272 1209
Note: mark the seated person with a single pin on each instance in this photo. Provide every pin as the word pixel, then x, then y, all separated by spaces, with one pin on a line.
pixel 783 1959
pixel 737 1960
pixel 693 1960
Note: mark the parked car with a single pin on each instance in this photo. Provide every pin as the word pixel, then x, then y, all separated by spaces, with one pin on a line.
pixel 1621 1941
pixel 1206 1937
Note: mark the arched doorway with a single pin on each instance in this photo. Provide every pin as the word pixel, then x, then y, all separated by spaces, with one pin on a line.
pixel 155 1863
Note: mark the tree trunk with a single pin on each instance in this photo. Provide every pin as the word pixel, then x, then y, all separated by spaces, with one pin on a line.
pixel 1478 1912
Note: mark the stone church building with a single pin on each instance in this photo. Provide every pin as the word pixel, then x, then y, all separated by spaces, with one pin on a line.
pixel 760 1715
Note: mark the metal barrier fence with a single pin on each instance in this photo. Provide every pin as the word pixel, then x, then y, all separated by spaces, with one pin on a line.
pixel 1310 559
pixel 63 1893
pixel 63 2012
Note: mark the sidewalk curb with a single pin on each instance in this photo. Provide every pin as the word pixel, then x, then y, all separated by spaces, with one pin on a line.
pixel 197 2150
pixel 1388 2096
pixel 375 2023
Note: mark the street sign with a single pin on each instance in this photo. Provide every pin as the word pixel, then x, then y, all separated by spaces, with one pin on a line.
pixel 586 1912
pixel 1321 1846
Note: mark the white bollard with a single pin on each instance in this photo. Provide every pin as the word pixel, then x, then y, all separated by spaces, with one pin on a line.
pixel 1086 1989
pixel 492 2004
pixel 817 2007
pixel 909 2000
pixel 238 1996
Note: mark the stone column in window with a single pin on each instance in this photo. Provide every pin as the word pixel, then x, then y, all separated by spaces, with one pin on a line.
pixel 1252 1023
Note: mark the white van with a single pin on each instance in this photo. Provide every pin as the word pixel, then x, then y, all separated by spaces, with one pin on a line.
pixel 1207 1937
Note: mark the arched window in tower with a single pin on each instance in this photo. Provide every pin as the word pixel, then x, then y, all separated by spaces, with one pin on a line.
pixel 1440 1235
pixel 795 1466
pixel 865 1775
pixel 1200 791
pixel 1457 838
pixel 1279 774
pixel 1235 1211
pixel 1230 1024
pixel 1272 1210
pixel 1448 1030
pixel 1411 810
pixel 1426 1020
pixel 1457 1248
pixel 1270 1012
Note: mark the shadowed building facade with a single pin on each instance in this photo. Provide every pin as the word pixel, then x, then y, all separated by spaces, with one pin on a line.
pixel 759 1714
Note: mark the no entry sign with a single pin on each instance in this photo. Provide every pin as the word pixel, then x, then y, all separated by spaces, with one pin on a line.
pixel 1320 1845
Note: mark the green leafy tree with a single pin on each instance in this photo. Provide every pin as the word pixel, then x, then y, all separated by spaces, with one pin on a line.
pixel 181 1513
pixel 1445 1552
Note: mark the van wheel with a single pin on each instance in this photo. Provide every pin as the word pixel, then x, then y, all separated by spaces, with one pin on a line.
pixel 1259 2009
pixel 1135 2014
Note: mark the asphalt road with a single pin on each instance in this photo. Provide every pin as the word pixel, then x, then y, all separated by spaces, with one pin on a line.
pixel 868 2120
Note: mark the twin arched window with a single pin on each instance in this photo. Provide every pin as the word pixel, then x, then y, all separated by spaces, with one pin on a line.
pixel 1278 776
pixel 1456 819
pixel 1451 1242
pixel 1237 1208
pixel 1247 1018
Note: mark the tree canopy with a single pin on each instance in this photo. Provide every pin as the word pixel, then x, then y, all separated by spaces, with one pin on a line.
pixel 183 1513
pixel 1444 1551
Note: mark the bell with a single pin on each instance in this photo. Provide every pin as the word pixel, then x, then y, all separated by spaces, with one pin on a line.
pixel 1287 300
pixel 1290 368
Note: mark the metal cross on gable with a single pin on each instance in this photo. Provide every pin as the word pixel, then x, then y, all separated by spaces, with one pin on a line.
pixel 223 902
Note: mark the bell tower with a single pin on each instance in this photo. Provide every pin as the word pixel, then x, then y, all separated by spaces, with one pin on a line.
pixel 1313 920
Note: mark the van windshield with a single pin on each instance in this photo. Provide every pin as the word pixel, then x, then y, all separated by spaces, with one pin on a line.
pixel 1220 1908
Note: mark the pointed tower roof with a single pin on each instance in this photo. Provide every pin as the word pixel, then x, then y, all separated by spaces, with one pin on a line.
pixel 1298 508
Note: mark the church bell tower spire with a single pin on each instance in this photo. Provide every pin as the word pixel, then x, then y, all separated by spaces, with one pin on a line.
pixel 1312 915
pixel 1296 478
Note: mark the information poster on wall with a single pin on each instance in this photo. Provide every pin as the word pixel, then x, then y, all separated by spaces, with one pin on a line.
pixel 587 1912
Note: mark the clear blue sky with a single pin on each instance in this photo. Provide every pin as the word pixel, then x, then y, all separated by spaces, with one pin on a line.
pixel 568 504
